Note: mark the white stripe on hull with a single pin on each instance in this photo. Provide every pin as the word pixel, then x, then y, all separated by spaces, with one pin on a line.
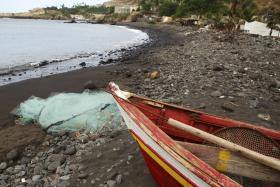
pixel 157 148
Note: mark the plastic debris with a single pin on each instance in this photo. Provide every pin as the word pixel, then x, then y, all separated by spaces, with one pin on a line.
pixel 87 111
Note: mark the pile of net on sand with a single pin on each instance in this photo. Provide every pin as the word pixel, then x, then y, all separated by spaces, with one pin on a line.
pixel 87 111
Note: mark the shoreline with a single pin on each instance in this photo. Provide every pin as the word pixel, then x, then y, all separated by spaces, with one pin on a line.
pixel 51 66
pixel 12 94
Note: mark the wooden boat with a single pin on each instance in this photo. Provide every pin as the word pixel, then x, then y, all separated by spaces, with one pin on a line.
pixel 179 158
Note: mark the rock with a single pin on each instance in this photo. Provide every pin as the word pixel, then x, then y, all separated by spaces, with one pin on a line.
pixel 82 175
pixel 56 157
pixel 10 170
pixel 218 68
pixel 274 84
pixel 66 177
pixel 264 117
pixel 111 183
pixel 36 178
pixel 43 63
pixel 99 155
pixel 216 93
pixel 228 106
pixel 12 155
pixel 128 74
pixel 70 150
pixel 53 166
pixel 83 64
pixel 90 85
pixel 119 179
pixel 19 168
pixel 201 106
pixel 253 103
pixel 3 165
pixel 154 75
pixel 129 157
pixel 92 181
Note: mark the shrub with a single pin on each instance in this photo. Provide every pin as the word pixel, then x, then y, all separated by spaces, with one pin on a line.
pixel 167 8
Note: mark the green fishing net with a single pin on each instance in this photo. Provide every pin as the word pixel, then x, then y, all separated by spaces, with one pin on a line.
pixel 87 111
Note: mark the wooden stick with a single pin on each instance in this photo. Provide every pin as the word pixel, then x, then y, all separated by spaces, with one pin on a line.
pixel 233 163
pixel 266 160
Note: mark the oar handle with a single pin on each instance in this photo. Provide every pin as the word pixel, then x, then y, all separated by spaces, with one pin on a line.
pixel 266 160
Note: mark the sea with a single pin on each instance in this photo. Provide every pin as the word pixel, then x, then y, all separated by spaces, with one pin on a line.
pixel 36 48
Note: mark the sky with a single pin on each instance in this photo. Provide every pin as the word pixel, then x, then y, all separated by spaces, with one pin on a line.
pixel 13 6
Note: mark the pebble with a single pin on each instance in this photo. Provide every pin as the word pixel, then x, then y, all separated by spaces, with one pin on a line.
pixel 70 150
pixel 119 179
pixel 36 178
pixel 53 166
pixel 228 106
pixel 82 175
pixel 111 183
pixel 216 93
pixel 264 117
pixel 3 165
pixel 12 155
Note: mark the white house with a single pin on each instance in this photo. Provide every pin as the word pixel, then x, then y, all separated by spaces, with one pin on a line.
pixel 259 28
pixel 125 9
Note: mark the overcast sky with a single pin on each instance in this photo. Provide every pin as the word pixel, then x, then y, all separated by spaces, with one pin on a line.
pixel 25 5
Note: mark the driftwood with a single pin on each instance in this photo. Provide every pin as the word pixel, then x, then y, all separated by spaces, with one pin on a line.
pixel 266 160
pixel 233 163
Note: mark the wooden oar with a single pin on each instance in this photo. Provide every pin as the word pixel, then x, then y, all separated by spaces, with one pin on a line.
pixel 266 160
pixel 233 163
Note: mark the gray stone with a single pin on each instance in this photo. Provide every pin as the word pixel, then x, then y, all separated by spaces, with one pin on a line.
pixel 70 150
pixel 38 168
pixel 129 157
pixel 10 170
pixel 21 173
pixel 82 175
pixel 65 178
pixel 216 93
pixel 56 157
pixel 24 160
pixel 12 155
pixel 90 85
pixel 3 165
pixel 53 166
pixel 64 184
pixel 229 107
pixel 92 181
pixel 119 179
pixel 111 183
pixel 19 168
pixel 36 178
pixel 4 177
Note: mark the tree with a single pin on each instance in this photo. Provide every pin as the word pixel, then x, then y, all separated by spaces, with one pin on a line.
pixel 200 7
pixel 244 9
pixel 273 19
pixel 146 5
pixel 167 8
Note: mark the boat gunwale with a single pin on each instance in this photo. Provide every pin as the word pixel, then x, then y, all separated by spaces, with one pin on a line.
pixel 274 134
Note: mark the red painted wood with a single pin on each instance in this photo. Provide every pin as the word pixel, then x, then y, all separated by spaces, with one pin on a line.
pixel 199 168
pixel 161 176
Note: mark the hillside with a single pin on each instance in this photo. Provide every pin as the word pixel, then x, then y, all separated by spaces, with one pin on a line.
pixel 120 2
pixel 262 5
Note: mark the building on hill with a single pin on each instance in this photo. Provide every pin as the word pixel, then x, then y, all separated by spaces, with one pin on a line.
pixel 123 6
pixel 125 9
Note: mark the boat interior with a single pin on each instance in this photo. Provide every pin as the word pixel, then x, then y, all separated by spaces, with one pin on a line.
pixel 246 172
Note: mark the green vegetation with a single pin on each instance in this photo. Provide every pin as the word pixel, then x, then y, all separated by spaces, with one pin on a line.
pixel 168 8
pixel 82 9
